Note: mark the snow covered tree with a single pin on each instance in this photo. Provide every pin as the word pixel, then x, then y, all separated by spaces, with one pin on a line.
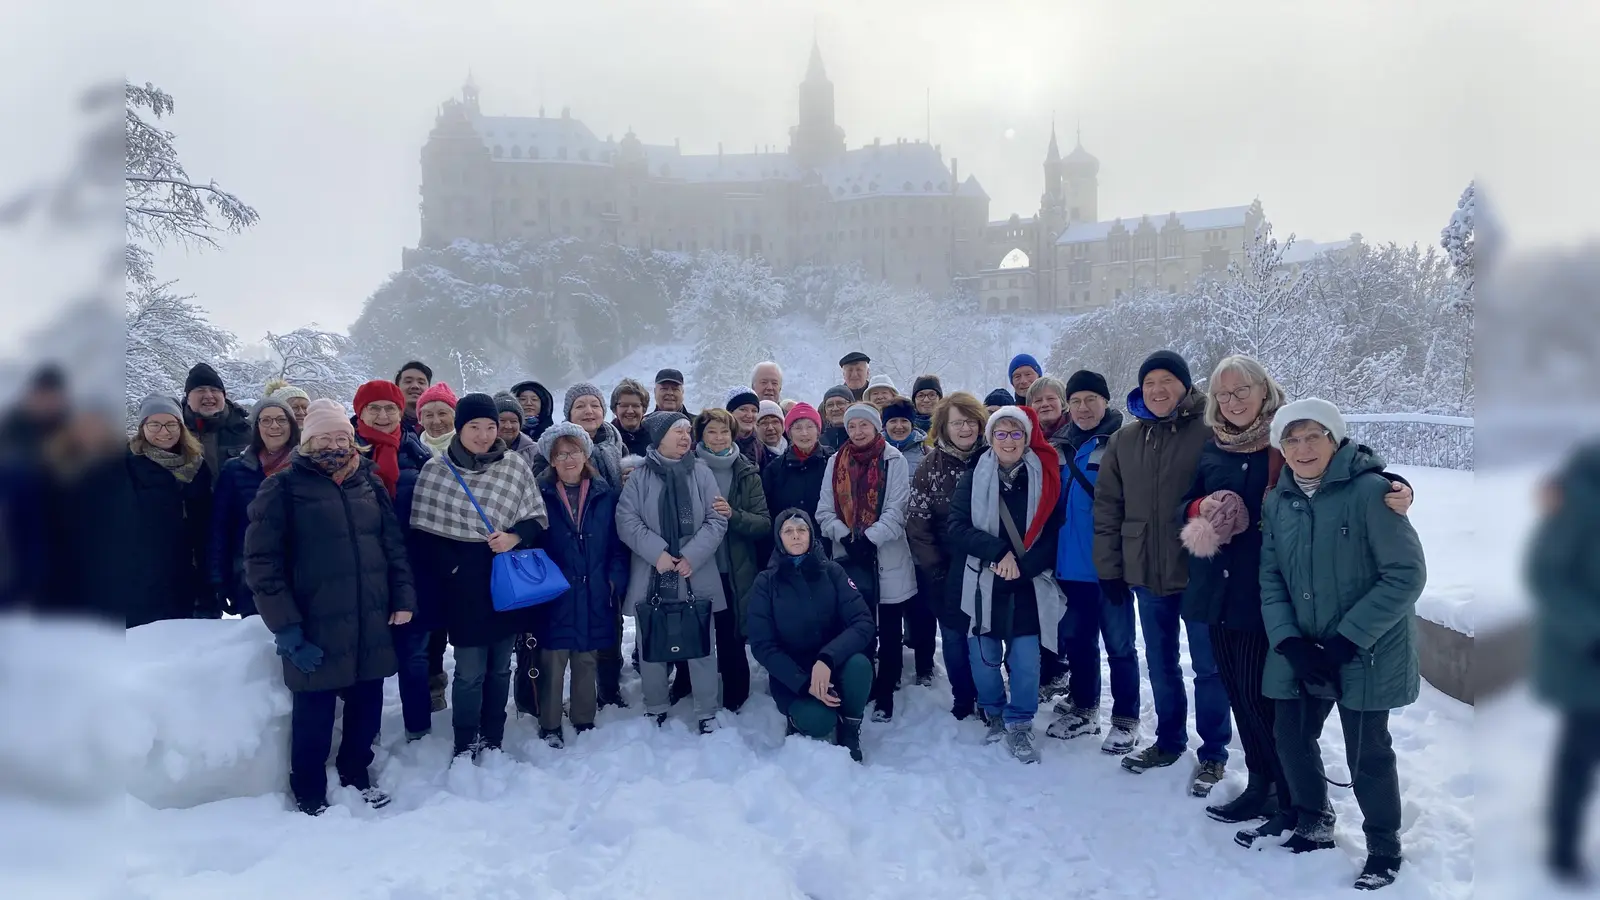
pixel 724 310
pixel 167 333
pixel 1459 241
pixel 321 363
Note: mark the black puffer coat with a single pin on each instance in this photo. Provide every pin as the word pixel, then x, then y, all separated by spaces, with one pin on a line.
pixel 595 563
pixel 331 558
pixel 1226 589
pixel 171 526
pixel 794 483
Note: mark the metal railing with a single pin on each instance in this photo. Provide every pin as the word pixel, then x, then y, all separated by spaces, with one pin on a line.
pixel 1416 439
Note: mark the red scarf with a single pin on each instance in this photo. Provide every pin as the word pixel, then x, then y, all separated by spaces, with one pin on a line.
pixel 272 463
pixel 858 484
pixel 1050 468
pixel 385 453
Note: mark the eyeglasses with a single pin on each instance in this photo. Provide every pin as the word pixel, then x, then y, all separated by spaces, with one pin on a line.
pixel 339 441
pixel 965 425
pixel 1085 404
pixel 1009 435
pixel 1238 396
pixel 160 428
pixel 273 422
pixel 567 455
pixel 1308 441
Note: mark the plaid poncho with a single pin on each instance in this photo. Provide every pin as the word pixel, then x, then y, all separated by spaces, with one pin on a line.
pixel 505 489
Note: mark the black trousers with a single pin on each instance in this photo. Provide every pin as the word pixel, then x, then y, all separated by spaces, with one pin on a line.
pixel 732 662
pixel 311 737
pixel 438 640
pixel 1241 660
pixel 921 626
pixel 1572 782
pixel 1370 753
pixel 608 668
pixel 891 658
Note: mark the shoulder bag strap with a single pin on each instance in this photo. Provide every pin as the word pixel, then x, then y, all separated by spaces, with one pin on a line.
pixel 1011 530
pixel 1077 473
pixel 463 482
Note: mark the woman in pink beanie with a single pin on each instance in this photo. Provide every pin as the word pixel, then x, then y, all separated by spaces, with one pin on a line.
pixel 436 413
pixel 794 480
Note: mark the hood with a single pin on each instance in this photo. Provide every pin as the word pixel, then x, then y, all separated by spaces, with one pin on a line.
pixel 1191 406
pixel 1349 462
pixel 1072 437
pixel 547 401
pixel 781 558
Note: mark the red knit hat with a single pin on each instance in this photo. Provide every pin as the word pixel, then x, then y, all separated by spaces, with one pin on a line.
pixel 800 411
pixel 374 391
pixel 439 392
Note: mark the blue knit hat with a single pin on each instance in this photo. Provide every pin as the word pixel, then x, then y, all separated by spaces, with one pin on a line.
pixel 1020 360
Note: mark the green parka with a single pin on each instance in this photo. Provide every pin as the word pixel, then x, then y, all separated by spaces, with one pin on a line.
pixel 1564 578
pixel 1343 563
pixel 750 522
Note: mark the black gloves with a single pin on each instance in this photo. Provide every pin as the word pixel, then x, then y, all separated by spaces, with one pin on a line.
pixel 1308 661
pixel 861 551
pixel 1115 590
pixel 1335 653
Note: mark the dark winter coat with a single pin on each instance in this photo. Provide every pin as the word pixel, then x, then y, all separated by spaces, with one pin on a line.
pixel 1075 556
pixel 926 518
pixel 331 558
pixel 1563 568
pixel 1342 563
pixel 172 522
pixel 636 442
pixel 833 437
pixel 534 427
pixel 594 562
pixel 230 516
pixel 795 483
pixel 1013 601
pixel 748 528
pixel 751 448
pixel 802 614
pixel 224 436
pixel 456 575
pixel 413 456
pixel 1147 468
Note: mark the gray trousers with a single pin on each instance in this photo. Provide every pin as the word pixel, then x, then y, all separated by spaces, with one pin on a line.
pixel 1369 752
pixel 553 666
pixel 702 676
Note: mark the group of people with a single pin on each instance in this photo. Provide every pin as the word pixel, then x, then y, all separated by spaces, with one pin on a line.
pixel 1012 535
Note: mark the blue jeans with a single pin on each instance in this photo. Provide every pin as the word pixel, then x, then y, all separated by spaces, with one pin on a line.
pixel 416 702
pixel 958 666
pixel 1159 619
pixel 1089 618
pixel 1021 657
pixel 479 692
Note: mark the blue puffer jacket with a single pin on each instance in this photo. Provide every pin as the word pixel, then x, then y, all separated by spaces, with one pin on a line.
pixel 595 562
pixel 1075 554
pixel 230 503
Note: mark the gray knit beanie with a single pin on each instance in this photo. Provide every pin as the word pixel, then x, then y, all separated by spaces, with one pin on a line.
pixel 273 402
pixel 505 403
pixel 658 423
pixel 547 441
pixel 581 389
pixel 840 391
pixel 864 411
pixel 155 405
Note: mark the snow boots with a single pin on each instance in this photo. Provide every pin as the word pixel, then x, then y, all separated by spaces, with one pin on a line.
pixel 1259 800
pixel 438 686
pixel 997 730
pixel 1312 833
pixel 848 736
pixel 1123 738
pixel 1276 824
pixel 553 738
pixel 1019 740
pixel 1075 723
pixel 1380 871
pixel 1151 757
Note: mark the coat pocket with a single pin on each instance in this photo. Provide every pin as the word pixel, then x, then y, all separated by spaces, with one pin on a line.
pixel 1135 560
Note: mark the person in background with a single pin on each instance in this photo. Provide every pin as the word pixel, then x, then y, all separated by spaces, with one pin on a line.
pixel 745 407
pixel 741 501
pixel 811 630
pixel 1004 526
pixel 1564 582
pixel 1048 397
pixel 582 542
pixel 837 399
pixel 902 434
pixel 794 480
pixel 171 488
pixel 299 401
pixel 669 391
pixel 881 392
pixel 274 436
pixel 667 517
pixel 865 491
pixel 997 398
pixel 787 404
pixel 629 401
pixel 1145 471
pixel 1022 373
pixel 222 426
pixel 1340 578
pixel 855 368
pixel 436 411
pixel 1091 614
pixel 538 407
pixel 769 430
pixel 510 431
pixel 926 392
pixel 767 381
pixel 397 459
pixel 325 557
pixel 413 379
pixel 454 555
pixel 958 423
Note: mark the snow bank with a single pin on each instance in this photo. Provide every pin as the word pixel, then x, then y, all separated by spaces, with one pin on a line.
pixel 210 714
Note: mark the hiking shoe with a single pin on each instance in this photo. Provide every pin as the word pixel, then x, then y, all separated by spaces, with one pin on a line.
pixel 1206 777
pixel 437 685
pixel 413 736
pixel 1064 706
pixel 707 726
pixel 1275 826
pixel 1054 687
pixel 612 700
pixel 1075 723
pixel 1123 738
pixel 1312 833
pixel 1258 800
pixel 311 807
pixel 997 730
pixel 375 798
pixel 848 736
pixel 553 737
pixel 1380 871
pixel 1019 740
pixel 1151 757
pixel 982 714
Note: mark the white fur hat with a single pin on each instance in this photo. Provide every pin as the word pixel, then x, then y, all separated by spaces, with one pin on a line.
pixel 1310 409
pixel 1008 412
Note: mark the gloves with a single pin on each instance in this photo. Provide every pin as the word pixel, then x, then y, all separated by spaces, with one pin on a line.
pixel 1335 653
pixel 861 551
pixel 1115 590
pixel 292 645
pixel 1306 659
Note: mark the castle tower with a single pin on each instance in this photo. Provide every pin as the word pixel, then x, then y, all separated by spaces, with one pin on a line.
pixel 1082 172
pixel 1052 221
pixel 817 138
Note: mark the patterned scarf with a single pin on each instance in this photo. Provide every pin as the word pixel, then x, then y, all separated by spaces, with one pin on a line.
pixel 501 481
pixel 1249 439
pixel 273 463
pixel 858 484
pixel 334 462
pixel 385 453
pixel 179 467
pixel 945 446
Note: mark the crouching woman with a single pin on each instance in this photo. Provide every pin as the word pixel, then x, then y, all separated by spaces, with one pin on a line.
pixel 325 557
pixel 810 629
pixel 1340 577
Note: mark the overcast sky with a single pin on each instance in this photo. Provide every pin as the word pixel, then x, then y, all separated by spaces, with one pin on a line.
pixel 1341 116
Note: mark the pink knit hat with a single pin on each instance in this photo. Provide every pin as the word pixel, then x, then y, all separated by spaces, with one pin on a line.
pixel 802 410
pixel 440 392
pixel 324 416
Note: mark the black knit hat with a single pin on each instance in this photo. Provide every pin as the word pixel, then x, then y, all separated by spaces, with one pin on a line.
pixel 476 406
pixel 658 423
pixel 202 375
pixel 1085 380
pixel 420 367
pixel 927 383
pixel 899 408
pixel 1000 397
pixel 1168 361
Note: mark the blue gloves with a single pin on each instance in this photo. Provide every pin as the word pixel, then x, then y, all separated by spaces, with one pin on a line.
pixel 292 645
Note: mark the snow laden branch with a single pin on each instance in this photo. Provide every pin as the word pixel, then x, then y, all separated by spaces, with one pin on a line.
pixel 724 310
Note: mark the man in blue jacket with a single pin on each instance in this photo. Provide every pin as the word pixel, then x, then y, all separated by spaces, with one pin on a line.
pixel 1091 615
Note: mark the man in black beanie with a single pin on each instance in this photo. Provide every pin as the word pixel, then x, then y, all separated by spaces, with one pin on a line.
pixel 926 392
pixel 222 426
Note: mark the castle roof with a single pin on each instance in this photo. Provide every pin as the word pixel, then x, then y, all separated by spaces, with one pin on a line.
pixel 1194 220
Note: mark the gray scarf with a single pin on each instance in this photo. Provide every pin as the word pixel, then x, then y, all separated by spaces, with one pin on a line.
pixel 1309 485
pixel 467 461
pixel 977 579
pixel 677 497
pixel 721 467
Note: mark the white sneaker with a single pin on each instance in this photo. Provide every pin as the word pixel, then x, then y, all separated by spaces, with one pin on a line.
pixel 1123 738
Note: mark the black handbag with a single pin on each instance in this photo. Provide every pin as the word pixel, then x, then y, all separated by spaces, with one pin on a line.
pixel 672 629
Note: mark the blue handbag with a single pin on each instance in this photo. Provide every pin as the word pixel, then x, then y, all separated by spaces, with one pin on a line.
pixel 519 578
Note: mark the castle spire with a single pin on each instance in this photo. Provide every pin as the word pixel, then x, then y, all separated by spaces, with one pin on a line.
pixel 1054 153
pixel 814 69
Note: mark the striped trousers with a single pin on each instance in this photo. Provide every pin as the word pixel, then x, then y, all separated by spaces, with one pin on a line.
pixel 1241 661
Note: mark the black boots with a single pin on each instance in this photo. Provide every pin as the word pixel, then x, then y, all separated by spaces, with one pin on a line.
pixel 1380 871
pixel 1258 801
pixel 848 736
